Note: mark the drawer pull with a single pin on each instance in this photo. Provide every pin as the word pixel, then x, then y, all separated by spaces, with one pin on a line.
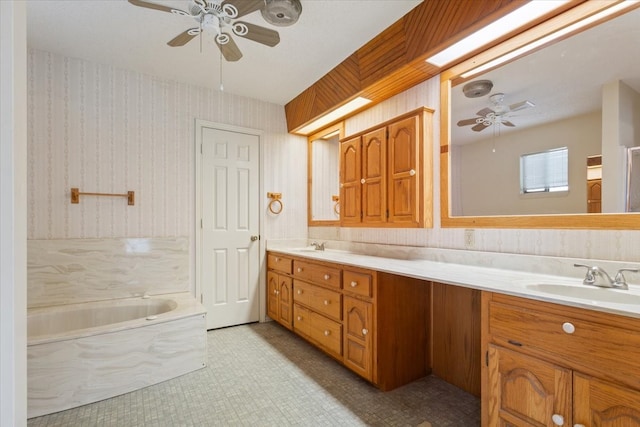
pixel 365 331
pixel 568 327
pixel 299 269
pixel 299 291
pixel 354 284
pixel 327 277
pixel 516 343
pixel 557 419
pixel 326 302
pixel 327 333
pixel 277 259
pixel 300 318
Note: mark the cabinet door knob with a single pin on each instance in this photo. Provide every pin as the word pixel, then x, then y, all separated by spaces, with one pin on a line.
pixel 277 259
pixel 326 302
pixel 299 291
pixel 354 284
pixel 412 172
pixel 299 317
pixel 327 277
pixel 557 419
pixel 275 292
pixel 362 181
pixel 568 327
pixel 299 269
pixel 327 333
pixel 365 331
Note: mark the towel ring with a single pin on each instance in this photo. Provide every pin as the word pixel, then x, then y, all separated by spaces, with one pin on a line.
pixel 336 208
pixel 278 208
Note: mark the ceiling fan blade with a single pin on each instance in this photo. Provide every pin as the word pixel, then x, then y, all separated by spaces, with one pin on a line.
pixel 230 50
pixel 508 123
pixel 484 112
pixel 184 37
pixel 256 33
pixel 244 7
pixel 467 122
pixel 479 127
pixel 155 6
pixel 521 105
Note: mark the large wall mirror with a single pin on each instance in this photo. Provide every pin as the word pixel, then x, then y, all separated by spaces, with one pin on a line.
pixel 545 139
pixel 324 176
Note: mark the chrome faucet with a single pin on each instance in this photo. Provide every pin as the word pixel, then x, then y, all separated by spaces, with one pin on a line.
pixel 318 246
pixel 596 276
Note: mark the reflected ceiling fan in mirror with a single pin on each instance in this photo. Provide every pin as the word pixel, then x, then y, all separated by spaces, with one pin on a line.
pixel 219 18
pixel 498 113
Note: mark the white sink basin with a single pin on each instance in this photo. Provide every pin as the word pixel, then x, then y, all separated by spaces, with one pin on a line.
pixel 588 293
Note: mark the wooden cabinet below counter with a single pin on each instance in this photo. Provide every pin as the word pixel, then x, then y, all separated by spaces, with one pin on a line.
pixel 548 364
pixel 376 324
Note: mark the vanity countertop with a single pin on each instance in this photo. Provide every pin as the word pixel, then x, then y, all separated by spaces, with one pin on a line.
pixel 512 282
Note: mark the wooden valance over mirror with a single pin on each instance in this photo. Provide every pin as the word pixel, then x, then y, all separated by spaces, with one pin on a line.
pixel 546 139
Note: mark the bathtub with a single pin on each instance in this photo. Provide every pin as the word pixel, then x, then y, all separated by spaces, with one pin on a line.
pixel 83 353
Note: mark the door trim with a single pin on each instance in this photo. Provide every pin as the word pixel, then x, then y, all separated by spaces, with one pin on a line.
pixel 197 245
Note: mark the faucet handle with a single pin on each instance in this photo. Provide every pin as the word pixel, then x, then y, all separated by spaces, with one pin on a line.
pixel 590 277
pixel 620 280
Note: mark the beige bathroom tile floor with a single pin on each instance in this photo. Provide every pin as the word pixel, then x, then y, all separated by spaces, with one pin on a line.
pixel 264 375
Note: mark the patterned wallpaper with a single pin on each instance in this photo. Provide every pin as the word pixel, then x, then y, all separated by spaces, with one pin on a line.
pixel 104 129
pixel 618 245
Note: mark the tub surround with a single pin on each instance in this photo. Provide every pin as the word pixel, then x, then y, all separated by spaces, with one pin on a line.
pixel 79 367
pixel 496 272
pixel 65 271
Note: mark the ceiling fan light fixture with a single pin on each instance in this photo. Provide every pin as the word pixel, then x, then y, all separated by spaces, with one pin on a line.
pixel 281 13
pixel 477 88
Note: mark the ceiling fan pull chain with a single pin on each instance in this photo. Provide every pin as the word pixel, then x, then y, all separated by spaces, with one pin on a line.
pixel 221 85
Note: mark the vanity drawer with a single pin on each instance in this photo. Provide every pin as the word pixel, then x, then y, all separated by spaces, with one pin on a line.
pixel 569 339
pixel 279 263
pixel 317 273
pixel 358 283
pixel 301 319
pixel 319 299
pixel 327 333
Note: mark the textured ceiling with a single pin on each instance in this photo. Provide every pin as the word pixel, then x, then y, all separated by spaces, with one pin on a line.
pixel 562 80
pixel 114 32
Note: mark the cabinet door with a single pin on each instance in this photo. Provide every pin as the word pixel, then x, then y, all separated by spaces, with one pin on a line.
pixel 350 186
pixel 525 391
pixel 404 172
pixel 272 296
pixel 285 299
pixel 374 183
pixel 358 333
pixel 602 404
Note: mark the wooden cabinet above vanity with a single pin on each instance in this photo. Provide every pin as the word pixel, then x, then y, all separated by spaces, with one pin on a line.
pixel 386 174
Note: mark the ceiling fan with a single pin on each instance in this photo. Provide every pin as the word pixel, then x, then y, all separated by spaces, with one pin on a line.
pixel 219 17
pixel 496 114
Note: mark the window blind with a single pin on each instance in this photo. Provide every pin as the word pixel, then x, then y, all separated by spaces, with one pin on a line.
pixel 547 171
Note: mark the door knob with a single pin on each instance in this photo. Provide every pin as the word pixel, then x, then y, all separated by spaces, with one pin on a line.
pixel 254 238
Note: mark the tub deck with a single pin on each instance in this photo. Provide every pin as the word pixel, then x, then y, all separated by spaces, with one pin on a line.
pixel 74 368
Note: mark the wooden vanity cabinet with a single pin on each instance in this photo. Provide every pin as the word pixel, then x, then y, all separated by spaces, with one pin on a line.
pixel 279 290
pixel 385 174
pixel 376 324
pixel 548 364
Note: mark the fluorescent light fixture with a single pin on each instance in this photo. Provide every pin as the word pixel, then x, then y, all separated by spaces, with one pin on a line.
pixel 334 115
pixel 514 20
pixel 550 37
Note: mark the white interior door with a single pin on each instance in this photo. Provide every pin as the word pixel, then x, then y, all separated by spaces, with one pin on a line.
pixel 229 259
